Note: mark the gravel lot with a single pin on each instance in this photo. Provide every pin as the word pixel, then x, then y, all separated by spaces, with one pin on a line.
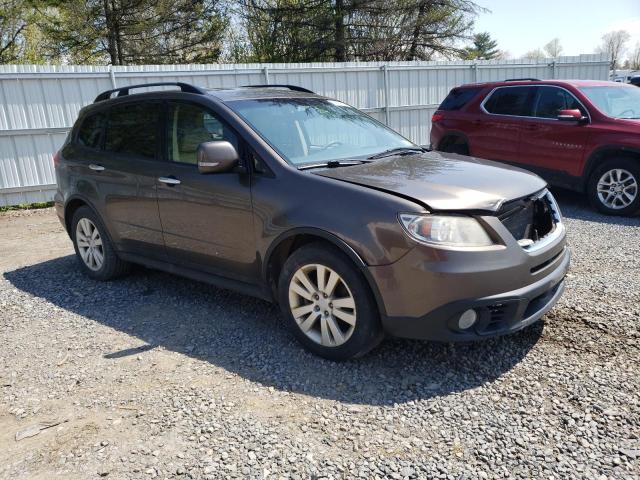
pixel 154 376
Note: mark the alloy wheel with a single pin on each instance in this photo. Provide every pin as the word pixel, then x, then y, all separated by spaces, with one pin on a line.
pixel 617 188
pixel 322 305
pixel 89 244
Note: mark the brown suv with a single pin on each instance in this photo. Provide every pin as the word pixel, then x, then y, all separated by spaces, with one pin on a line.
pixel 289 196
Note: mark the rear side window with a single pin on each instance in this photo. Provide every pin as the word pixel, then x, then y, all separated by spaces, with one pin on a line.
pixel 458 98
pixel 510 101
pixel 90 132
pixel 133 129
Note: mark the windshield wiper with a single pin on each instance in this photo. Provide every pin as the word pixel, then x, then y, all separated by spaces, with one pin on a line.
pixel 397 151
pixel 332 164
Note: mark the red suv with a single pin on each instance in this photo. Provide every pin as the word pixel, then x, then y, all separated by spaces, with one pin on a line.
pixel 577 134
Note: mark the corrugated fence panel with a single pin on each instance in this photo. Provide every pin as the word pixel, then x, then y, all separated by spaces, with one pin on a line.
pixel 38 104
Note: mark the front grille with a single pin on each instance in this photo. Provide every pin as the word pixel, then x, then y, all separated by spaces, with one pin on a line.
pixel 530 218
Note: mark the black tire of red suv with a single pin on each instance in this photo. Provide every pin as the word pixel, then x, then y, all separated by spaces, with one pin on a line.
pixel 111 266
pixel 628 165
pixel 367 332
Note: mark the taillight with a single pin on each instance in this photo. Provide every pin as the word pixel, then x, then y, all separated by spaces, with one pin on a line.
pixel 56 159
pixel 437 117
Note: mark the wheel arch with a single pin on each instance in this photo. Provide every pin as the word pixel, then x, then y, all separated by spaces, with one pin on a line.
pixel 603 153
pixel 456 136
pixel 288 242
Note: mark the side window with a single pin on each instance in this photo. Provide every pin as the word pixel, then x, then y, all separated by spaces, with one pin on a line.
pixel 550 100
pixel 133 129
pixel 510 101
pixel 90 132
pixel 458 98
pixel 190 125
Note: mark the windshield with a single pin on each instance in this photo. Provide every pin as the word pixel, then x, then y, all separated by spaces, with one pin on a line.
pixel 316 130
pixel 616 102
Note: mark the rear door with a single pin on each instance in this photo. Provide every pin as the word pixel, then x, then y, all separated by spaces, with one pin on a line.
pixel 547 143
pixel 495 130
pixel 126 177
pixel 207 219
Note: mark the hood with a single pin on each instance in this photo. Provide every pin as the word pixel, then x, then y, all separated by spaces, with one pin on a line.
pixel 443 181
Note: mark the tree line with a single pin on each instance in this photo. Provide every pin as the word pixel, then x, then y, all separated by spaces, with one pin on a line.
pixel 122 32
pixel 129 32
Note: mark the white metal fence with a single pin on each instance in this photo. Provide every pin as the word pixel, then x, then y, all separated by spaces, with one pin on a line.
pixel 38 104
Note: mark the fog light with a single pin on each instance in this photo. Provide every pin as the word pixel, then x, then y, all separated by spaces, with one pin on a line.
pixel 467 319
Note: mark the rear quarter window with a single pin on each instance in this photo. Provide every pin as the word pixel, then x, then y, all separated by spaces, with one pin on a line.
pixel 91 130
pixel 458 98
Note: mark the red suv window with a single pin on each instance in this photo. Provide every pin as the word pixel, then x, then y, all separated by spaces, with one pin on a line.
pixel 458 98
pixel 510 101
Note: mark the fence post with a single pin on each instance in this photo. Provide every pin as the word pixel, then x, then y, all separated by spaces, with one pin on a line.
pixel 474 70
pixel 385 84
pixel 553 69
pixel 265 70
pixel 112 75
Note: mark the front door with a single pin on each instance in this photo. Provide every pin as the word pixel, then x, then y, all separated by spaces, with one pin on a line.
pixel 547 143
pixel 207 219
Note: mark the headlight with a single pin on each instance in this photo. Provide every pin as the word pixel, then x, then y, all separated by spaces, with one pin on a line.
pixel 446 230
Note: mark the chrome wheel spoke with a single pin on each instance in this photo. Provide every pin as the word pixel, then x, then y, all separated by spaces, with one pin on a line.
pixel 321 272
pixel 331 283
pixel 335 331
pixel 300 290
pixel 301 311
pixel 309 321
pixel 346 317
pixel 325 340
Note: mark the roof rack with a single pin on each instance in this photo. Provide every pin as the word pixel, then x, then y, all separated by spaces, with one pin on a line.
pixel 274 85
pixel 522 80
pixel 123 91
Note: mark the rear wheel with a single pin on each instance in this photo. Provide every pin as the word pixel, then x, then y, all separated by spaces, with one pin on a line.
pixel 614 187
pixel 328 304
pixel 454 145
pixel 93 247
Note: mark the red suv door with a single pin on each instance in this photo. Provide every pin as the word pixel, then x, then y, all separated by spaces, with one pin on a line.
pixel 549 143
pixel 496 127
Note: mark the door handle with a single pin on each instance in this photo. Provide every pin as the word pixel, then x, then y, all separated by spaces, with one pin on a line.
pixel 531 126
pixel 97 168
pixel 169 180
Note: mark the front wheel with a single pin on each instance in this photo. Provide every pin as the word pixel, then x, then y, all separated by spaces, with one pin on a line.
pixel 614 187
pixel 328 304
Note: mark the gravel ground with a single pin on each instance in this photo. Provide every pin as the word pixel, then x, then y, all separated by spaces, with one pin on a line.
pixel 154 376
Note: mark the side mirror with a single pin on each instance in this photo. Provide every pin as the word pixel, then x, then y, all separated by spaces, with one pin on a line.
pixel 216 157
pixel 573 115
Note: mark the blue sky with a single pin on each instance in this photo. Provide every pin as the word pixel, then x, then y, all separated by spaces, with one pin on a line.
pixel 523 25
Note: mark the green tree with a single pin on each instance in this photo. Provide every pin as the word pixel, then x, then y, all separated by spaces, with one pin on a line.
pixel 120 32
pixel 483 48
pixel 21 40
pixel 346 30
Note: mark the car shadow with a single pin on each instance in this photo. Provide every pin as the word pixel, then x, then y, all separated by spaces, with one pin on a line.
pixel 246 336
pixel 576 206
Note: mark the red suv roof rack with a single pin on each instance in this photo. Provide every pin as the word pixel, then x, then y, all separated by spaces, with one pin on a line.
pixel 522 80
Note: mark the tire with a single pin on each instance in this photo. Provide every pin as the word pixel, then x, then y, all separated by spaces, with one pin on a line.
pixel 625 171
pixel 453 146
pixel 357 318
pixel 85 221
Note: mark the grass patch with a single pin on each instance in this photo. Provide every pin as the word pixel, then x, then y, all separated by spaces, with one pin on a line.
pixel 27 206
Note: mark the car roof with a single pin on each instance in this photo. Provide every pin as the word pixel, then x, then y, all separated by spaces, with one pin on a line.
pixel 560 83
